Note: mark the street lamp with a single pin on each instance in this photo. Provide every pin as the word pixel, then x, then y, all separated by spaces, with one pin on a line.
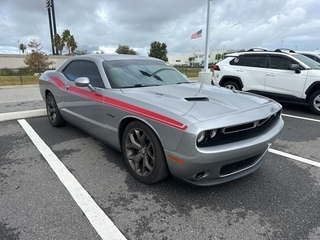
pixel 281 43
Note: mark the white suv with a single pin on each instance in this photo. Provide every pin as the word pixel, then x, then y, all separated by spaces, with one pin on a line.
pixel 279 75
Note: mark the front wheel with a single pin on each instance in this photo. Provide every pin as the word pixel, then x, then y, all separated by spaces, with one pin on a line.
pixel 53 113
pixel 143 153
pixel 314 102
pixel 231 85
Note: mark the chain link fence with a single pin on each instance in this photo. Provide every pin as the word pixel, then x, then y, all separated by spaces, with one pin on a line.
pixel 19 76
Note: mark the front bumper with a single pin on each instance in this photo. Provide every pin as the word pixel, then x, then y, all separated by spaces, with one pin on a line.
pixel 218 164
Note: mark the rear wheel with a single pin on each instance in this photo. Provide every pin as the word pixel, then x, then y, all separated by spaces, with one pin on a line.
pixel 143 154
pixel 314 102
pixel 231 85
pixel 53 113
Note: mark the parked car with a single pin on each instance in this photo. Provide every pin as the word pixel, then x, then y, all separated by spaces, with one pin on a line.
pixel 277 74
pixel 313 55
pixel 162 122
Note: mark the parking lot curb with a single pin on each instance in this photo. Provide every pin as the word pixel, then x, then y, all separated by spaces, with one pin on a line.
pixel 22 114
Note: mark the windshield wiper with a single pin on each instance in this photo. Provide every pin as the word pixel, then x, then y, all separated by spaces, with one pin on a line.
pixel 151 75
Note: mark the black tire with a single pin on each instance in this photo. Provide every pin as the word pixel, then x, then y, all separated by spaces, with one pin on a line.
pixel 143 153
pixel 53 113
pixel 231 85
pixel 314 102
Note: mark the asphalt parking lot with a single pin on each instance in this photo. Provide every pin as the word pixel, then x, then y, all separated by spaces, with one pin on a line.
pixel 97 199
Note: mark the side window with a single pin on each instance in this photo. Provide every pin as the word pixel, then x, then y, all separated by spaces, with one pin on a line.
pixel 278 62
pixel 254 61
pixel 81 68
pixel 236 61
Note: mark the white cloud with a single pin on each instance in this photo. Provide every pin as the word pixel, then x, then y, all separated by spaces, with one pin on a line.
pixel 106 24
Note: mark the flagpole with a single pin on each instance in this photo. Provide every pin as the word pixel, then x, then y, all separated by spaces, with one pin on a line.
pixel 207 37
pixel 205 74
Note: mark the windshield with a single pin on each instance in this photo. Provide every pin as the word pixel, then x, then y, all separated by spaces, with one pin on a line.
pixel 141 73
pixel 308 61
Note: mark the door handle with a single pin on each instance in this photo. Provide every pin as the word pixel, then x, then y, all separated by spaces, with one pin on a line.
pixel 271 74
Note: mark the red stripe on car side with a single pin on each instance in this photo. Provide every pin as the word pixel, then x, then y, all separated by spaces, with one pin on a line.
pixel 119 104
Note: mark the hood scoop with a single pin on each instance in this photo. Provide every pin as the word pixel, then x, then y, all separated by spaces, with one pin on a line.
pixel 197 99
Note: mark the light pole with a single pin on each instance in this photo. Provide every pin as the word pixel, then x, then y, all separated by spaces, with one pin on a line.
pixel 49 5
pixel 281 43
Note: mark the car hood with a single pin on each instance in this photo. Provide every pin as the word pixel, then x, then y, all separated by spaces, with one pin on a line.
pixel 201 102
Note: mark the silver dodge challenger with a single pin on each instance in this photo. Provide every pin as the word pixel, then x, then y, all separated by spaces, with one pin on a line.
pixel 162 122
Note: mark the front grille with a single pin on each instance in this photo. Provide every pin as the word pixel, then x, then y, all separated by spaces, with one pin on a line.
pixel 238 166
pixel 242 132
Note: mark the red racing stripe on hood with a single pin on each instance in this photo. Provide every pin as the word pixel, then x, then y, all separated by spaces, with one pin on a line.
pixel 119 104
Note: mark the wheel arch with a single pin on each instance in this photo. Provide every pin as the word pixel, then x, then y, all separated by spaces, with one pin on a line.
pixel 229 78
pixel 311 89
pixel 126 121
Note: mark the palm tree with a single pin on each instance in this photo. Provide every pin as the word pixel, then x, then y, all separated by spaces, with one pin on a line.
pixel 191 59
pixel 58 43
pixel 22 47
pixel 66 39
pixel 72 44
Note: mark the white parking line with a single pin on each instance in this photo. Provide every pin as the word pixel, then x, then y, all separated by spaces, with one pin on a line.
pixel 303 118
pixel 297 158
pixel 98 219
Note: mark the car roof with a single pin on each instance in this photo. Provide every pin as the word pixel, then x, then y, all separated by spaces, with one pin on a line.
pixel 112 57
pixel 309 52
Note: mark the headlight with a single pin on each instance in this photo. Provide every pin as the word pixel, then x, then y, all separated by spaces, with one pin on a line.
pixel 206 135
pixel 201 137
pixel 213 133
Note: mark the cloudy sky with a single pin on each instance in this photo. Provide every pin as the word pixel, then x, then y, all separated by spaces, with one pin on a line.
pixel 104 24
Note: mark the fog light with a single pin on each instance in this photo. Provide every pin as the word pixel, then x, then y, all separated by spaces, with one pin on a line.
pixel 199 175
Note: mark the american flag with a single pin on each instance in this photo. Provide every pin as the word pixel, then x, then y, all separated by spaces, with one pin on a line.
pixel 197 34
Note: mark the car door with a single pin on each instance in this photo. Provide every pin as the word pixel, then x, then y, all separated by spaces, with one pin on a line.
pixel 251 69
pixel 282 82
pixel 83 107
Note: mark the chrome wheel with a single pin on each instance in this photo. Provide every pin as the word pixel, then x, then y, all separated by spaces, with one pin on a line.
pixel 232 85
pixel 314 102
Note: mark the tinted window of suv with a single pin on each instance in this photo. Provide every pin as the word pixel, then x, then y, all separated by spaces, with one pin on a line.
pixel 250 60
pixel 80 68
pixel 311 63
pixel 279 62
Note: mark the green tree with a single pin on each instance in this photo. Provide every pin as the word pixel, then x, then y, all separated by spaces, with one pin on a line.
pixel 80 52
pixel 218 56
pixel 123 49
pixel 191 59
pixel 22 47
pixel 66 36
pixel 72 44
pixel 158 50
pixel 37 60
pixel 58 43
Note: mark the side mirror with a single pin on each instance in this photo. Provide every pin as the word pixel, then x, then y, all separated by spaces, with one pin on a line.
pixel 84 82
pixel 295 67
